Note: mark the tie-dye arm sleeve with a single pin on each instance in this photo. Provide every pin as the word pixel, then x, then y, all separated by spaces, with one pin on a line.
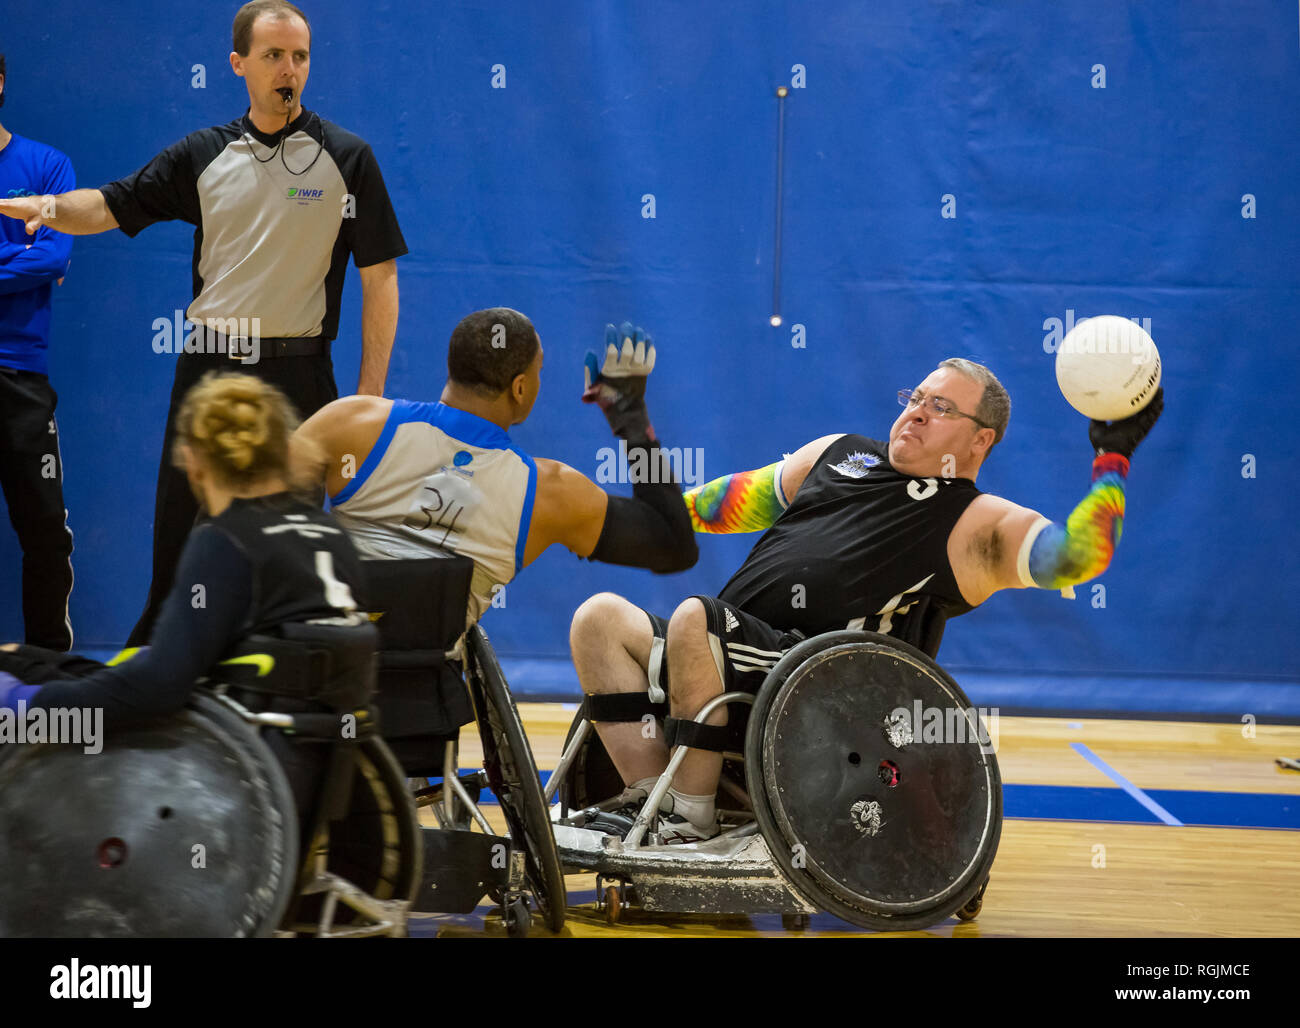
pixel 1057 557
pixel 748 501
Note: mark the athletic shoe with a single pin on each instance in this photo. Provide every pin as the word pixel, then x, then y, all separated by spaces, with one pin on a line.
pixel 615 822
pixel 619 821
pixel 675 829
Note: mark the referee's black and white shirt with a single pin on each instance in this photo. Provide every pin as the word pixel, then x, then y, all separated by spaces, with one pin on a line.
pixel 273 227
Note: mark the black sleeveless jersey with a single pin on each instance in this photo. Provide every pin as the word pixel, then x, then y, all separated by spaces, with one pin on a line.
pixel 259 564
pixel 858 546
pixel 303 564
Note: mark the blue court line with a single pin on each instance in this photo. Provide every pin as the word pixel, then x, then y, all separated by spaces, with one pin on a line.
pixel 1183 696
pixel 1125 784
pixel 1190 808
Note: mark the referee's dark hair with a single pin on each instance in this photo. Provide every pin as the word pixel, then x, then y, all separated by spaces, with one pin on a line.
pixel 6 78
pixel 488 349
pixel 242 31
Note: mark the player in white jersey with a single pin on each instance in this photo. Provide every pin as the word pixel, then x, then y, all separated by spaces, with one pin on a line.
pixel 411 479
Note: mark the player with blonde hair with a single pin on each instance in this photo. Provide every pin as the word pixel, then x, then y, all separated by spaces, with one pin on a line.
pixel 266 556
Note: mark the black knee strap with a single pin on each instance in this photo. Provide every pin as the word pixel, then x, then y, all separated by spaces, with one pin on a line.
pixel 681 732
pixel 623 706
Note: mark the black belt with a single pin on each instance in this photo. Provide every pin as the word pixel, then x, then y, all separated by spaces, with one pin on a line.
pixel 269 348
pixel 237 350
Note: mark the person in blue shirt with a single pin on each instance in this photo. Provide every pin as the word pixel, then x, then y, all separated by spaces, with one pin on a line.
pixel 31 466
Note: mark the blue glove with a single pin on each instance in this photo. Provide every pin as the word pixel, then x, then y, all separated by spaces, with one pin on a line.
pixel 617 383
pixel 12 690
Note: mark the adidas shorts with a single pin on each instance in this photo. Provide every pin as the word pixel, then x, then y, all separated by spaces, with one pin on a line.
pixel 744 648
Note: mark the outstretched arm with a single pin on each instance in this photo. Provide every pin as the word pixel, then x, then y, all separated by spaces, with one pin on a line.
pixel 186 641
pixel 649 530
pixel 1036 552
pixel 751 501
pixel 82 212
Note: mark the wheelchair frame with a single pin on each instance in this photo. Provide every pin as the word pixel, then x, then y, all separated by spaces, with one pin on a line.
pixel 388 917
pixel 733 873
pixel 533 864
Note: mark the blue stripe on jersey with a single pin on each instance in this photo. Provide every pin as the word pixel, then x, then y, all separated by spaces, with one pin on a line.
pixel 468 428
pixel 376 454
pixel 526 515
pixel 461 425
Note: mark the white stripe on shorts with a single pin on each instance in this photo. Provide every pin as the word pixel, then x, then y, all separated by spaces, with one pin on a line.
pixel 743 665
pixel 753 651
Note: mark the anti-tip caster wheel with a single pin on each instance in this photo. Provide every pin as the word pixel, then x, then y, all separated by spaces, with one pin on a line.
pixel 971 910
pixel 613 904
pixel 795 922
pixel 518 919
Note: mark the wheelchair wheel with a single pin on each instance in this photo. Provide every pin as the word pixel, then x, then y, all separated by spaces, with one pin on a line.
pixel 183 827
pixel 376 846
pixel 508 760
pixel 887 824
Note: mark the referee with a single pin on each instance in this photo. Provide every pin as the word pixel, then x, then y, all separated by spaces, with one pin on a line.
pixel 279 198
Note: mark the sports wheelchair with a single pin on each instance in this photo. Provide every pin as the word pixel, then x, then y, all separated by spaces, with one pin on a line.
pixel 834 795
pixel 434 678
pixel 269 805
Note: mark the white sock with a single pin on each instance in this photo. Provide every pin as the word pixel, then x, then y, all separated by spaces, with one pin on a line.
pixel 638 791
pixel 698 810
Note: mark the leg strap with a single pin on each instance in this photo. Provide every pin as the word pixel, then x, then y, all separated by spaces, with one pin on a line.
pixel 683 732
pixel 622 706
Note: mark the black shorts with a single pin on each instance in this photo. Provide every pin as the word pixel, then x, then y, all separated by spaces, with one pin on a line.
pixel 744 648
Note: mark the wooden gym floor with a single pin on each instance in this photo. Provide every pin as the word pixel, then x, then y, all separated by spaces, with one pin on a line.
pixel 1112 828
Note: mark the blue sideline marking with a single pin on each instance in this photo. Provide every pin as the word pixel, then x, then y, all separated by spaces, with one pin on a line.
pixel 1100 803
pixel 1125 784
pixel 1193 809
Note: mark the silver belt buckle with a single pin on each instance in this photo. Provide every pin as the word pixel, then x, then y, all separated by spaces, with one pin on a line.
pixel 233 350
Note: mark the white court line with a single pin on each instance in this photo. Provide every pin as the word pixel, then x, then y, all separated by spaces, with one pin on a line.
pixel 1125 784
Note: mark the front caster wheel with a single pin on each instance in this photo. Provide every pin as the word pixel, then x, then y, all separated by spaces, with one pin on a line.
pixel 613 904
pixel 518 919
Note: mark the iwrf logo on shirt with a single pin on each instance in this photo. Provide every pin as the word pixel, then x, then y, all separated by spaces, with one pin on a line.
pixel 120 981
pixel 306 196
pixel 856 464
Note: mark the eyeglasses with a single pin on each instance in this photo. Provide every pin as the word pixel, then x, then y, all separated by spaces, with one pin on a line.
pixel 935 405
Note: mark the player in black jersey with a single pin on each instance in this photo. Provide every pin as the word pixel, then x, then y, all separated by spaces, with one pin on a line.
pixel 265 558
pixel 856 531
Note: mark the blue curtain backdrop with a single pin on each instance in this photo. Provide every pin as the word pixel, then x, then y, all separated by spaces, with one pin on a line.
pixel 1126 199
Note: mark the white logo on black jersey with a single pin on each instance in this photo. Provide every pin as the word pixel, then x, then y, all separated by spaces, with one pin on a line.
pixel 856 464
pixel 729 619
pixel 305 528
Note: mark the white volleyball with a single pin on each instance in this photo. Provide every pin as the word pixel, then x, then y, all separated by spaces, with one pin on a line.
pixel 1108 367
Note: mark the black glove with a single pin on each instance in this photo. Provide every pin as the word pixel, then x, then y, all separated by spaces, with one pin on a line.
pixel 618 384
pixel 1123 436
